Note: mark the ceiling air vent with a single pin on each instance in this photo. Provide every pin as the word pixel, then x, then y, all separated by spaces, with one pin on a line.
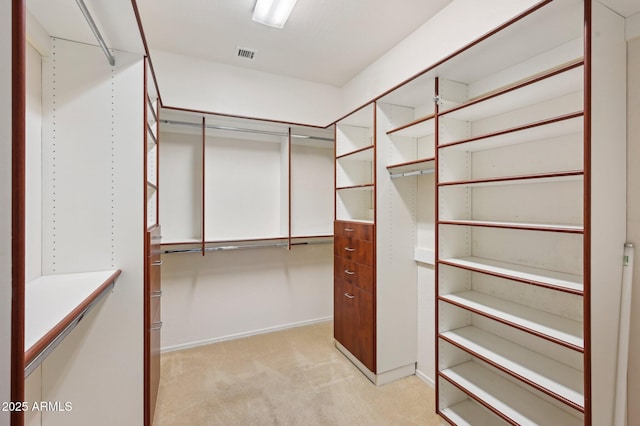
pixel 242 52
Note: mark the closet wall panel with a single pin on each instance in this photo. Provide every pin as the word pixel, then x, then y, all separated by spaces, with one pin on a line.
pixel 94 220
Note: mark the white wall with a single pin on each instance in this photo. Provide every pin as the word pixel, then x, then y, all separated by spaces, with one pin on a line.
pixel 633 221
pixel 454 27
pixel 199 84
pixel 229 294
pixel 5 202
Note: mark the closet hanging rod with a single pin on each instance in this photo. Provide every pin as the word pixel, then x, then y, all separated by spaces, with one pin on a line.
pixel 240 247
pixel 96 32
pixel 413 173
pixel 239 129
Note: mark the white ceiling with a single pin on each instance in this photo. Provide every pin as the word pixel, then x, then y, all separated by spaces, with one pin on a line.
pixel 325 41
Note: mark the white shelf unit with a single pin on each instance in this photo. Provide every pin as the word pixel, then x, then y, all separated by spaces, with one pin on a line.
pixel 151 138
pixel 513 179
pixel 354 166
pixel 245 183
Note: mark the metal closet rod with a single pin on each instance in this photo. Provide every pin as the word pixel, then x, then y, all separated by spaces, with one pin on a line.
pixel 96 32
pixel 239 129
pixel 241 247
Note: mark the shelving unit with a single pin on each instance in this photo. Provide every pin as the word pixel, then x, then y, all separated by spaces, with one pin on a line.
pixel 201 213
pixel 354 167
pixel 515 234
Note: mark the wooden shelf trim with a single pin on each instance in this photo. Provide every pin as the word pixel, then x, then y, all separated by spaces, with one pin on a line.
pixel 364 186
pixel 532 178
pixel 411 124
pixel 528 126
pixel 153 110
pixel 560 330
pixel 549 376
pixel 424 165
pixel 509 401
pixel 357 151
pixel 518 85
pixel 544 227
pixel 152 134
pixel 553 280
pixel 47 323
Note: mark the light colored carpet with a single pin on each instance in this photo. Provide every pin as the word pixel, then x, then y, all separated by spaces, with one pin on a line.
pixel 290 377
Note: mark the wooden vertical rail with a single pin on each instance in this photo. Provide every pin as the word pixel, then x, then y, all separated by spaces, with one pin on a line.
pixel 289 217
pixel 146 324
pixel 18 203
pixel 587 212
pixel 374 263
pixel 436 121
pixel 335 171
pixel 204 137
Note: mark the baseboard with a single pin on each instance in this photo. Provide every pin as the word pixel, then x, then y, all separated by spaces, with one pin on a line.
pixel 382 378
pixel 428 380
pixel 190 345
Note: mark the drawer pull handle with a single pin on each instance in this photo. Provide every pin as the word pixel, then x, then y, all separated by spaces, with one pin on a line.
pixel 348 229
pixel 349 249
pixel 157 263
pixel 156 293
pixel 156 326
pixel 349 296
pixel 346 271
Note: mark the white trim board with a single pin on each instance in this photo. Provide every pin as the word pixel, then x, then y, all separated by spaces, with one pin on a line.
pixel 281 327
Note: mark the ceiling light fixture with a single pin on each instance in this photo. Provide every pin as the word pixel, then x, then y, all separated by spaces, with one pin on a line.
pixel 273 13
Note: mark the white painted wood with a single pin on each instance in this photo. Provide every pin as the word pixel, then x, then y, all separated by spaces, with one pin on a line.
pixel 469 413
pixel 50 298
pixel 554 278
pixel 514 402
pixel 5 200
pixel 94 220
pixel 608 202
pixel 555 377
pixel 424 255
pixel 542 323
pixel 33 191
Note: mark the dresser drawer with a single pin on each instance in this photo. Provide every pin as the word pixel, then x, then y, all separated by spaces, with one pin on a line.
pixel 357 230
pixel 356 250
pixel 353 273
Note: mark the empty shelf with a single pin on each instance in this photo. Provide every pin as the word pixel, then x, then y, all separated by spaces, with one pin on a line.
pixel 418 128
pixel 412 168
pixel 560 330
pixel 511 401
pixel 541 277
pixel 570 175
pixel 54 304
pixel 550 227
pixel 547 375
pixel 468 413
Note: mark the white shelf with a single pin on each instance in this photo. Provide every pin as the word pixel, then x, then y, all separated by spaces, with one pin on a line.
pixel 424 255
pixel 468 413
pixel 551 376
pixel 550 88
pixel 417 129
pixel 54 304
pixel 526 274
pixel 546 129
pixel 552 227
pixel 364 154
pixel 565 176
pixel 543 324
pixel 514 402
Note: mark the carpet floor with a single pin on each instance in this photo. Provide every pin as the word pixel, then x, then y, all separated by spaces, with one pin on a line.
pixel 291 377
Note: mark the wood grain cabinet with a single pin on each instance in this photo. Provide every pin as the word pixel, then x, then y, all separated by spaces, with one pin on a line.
pixel 353 290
